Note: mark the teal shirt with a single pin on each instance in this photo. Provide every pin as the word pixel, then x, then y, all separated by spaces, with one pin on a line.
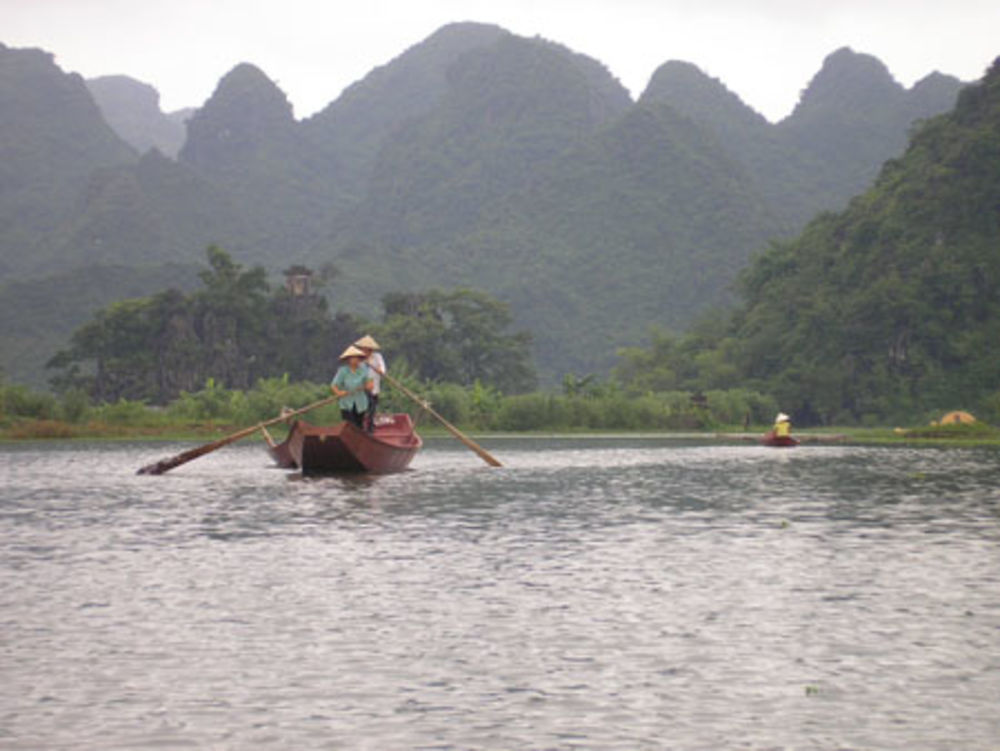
pixel 346 380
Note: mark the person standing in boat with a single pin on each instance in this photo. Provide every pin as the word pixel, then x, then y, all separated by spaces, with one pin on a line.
pixel 376 363
pixel 351 385
pixel 782 426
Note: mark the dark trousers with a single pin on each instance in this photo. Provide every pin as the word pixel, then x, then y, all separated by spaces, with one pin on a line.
pixel 370 414
pixel 353 416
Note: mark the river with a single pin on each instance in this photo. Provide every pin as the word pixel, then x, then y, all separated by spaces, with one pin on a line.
pixel 594 593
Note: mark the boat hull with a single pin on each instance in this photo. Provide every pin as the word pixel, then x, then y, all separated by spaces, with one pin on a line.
pixel 344 447
pixel 280 452
pixel 778 441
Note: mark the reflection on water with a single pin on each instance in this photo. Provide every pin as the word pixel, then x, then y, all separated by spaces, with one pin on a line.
pixel 591 594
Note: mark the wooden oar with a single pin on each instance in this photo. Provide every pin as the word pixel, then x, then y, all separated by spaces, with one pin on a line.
pixel 483 453
pixel 165 465
pixel 271 443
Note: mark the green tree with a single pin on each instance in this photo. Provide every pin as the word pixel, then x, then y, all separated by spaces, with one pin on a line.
pixel 232 333
pixel 458 337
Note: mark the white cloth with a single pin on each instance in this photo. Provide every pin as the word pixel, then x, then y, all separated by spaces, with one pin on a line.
pixel 377 364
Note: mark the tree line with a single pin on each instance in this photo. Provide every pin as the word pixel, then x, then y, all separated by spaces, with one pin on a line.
pixel 237 330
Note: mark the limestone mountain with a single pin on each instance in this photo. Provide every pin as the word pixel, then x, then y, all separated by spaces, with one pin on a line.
pixel 246 142
pixel 536 178
pixel 247 121
pixel 851 118
pixel 52 140
pixel 347 134
pixel 647 221
pixel 132 109
pixel 152 211
pixel 476 158
pixel 508 111
pixel 741 133
pixel 854 116
pixel 892 305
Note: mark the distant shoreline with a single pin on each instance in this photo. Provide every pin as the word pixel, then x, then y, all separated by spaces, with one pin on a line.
pixel 49 431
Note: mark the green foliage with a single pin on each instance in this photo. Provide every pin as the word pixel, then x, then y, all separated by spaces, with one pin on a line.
pixel 74 406
pixel 883 311
pixel 617 410
pixel 231 332
pixel 270 396
pixel 450 400
pixel 210 403
pixel 126 412
pixel 20 401
pixel 458 337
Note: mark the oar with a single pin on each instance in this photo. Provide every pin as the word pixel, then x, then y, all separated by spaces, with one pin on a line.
pixel 483 453
pixel 267 437
pixel 165 465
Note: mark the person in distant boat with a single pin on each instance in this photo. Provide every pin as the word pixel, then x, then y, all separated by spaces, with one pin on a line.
pixel 782 426
pixel 351 385
pixel 375 362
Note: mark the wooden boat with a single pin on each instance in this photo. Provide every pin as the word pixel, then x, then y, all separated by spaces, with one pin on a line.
pixel 343 447
pixel 778 441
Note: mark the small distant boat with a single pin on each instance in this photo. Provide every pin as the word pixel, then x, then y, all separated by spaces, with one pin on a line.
pixel 778 441
pixel 344 447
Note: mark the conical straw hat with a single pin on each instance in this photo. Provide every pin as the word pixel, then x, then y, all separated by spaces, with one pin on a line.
pixel 351 351
pixel 367 342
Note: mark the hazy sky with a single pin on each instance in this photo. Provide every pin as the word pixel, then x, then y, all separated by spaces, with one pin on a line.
pixel 764 50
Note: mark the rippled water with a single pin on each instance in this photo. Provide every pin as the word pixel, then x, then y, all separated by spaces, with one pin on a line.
pixel 592 594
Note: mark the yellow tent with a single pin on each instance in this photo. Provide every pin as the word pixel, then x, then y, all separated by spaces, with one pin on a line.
pixel 957 417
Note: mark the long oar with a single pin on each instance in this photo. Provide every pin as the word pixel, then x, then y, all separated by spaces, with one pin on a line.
pixel 165 465
pixel 483 453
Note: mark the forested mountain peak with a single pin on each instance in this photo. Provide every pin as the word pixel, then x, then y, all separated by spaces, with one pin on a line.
pixel 247 110
pixel 52 138
pixel 893 304
pixel 848 80
pixel 692 91
pixel 933 93
pixel 350 130
pixel 507 111
pixel 414 80
pixel 132 108
pixel 41 103
pixel 853 117
pixel 535 76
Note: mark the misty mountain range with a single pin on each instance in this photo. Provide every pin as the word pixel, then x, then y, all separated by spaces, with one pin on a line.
pixel 476 158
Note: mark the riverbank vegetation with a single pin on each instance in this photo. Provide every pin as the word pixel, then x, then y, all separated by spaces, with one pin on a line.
pixel 599 407
pixel 575 409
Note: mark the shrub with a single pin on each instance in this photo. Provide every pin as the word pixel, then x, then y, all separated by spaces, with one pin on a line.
pixel 127 412
pixel 19 401
pixel 451 401
pixel 74 406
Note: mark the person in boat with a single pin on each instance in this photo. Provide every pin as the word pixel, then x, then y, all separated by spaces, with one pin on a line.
pixel 351 385
pixel 376 363
pixel 782 426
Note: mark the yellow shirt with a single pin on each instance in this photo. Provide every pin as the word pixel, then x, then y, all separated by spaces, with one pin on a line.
pixel 782 429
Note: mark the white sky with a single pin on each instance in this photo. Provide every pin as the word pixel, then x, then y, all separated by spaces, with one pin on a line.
pixel 764 50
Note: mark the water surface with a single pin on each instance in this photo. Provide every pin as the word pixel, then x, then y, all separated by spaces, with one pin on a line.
pixel 592 594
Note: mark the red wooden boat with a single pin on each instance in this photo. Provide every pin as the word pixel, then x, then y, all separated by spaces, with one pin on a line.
pixel 778 441
pixel 343 447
